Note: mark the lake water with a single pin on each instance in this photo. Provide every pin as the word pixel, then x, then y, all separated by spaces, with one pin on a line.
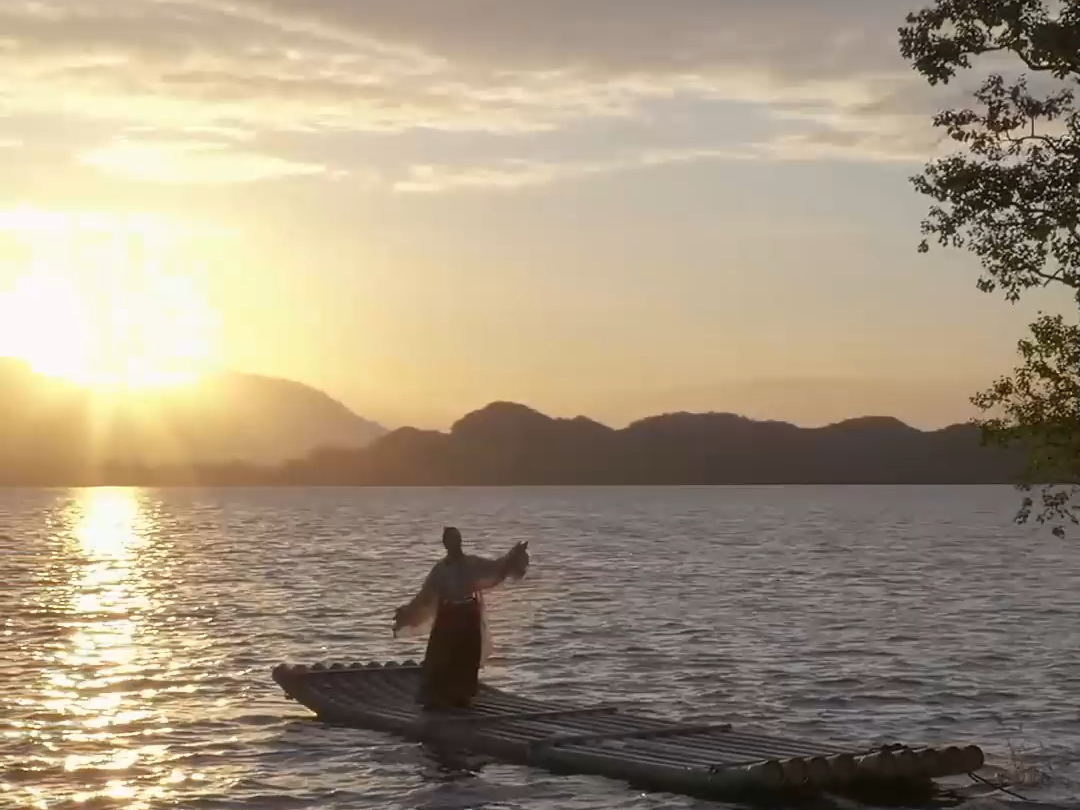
pixel 138 627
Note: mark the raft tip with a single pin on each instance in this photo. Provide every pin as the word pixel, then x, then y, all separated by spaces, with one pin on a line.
pixel 974 758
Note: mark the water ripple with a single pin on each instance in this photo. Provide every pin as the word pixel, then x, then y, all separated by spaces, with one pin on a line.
pixel 137 629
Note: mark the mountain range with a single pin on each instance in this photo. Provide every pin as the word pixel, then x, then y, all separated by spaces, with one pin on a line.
pixel 507 443
pixel 245 429
pixel 53 430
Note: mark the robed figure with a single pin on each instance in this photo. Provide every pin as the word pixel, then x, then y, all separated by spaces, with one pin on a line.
pixel 451 602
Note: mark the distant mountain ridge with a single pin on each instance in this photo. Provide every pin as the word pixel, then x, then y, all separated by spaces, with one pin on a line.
pixel 50 428
pixel 508 443
pixel 246 429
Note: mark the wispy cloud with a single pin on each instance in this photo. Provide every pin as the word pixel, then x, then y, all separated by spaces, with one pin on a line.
pixel 186 70
pixel 512 174
pixel 200 162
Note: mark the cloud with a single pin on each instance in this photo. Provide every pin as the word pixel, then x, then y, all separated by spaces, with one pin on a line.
pixel 509 174
pixel 607 38
pixel 200 162
pixel 827 75
pixel 134 64
pixel 514 174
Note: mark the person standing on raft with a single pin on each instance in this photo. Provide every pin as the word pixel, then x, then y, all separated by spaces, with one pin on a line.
pixel 452 596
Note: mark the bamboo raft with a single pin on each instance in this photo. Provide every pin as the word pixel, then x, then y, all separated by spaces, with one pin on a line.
pixel 703 759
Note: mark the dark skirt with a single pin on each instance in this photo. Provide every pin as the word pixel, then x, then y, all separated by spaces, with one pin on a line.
pixel 452 661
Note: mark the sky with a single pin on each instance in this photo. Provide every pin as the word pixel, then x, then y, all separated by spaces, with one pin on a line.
pixel 602 207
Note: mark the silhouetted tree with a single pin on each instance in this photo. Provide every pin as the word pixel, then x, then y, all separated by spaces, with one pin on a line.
pixel 1011 196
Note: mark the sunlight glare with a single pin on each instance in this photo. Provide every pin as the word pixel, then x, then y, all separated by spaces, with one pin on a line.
pixel 107 528
pixel 106 599
pixel 95 300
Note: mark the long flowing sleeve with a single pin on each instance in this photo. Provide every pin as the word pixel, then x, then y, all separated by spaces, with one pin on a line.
pixel 489 573
pixel 419 612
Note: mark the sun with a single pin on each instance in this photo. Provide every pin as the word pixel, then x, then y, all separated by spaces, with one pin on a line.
pixel 101 301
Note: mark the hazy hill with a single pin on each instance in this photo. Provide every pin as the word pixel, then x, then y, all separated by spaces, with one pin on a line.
pixel 507 443
pixel 240 429
pixel 49 427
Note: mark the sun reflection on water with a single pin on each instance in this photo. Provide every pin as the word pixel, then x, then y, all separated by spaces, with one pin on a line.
pixel 92 708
